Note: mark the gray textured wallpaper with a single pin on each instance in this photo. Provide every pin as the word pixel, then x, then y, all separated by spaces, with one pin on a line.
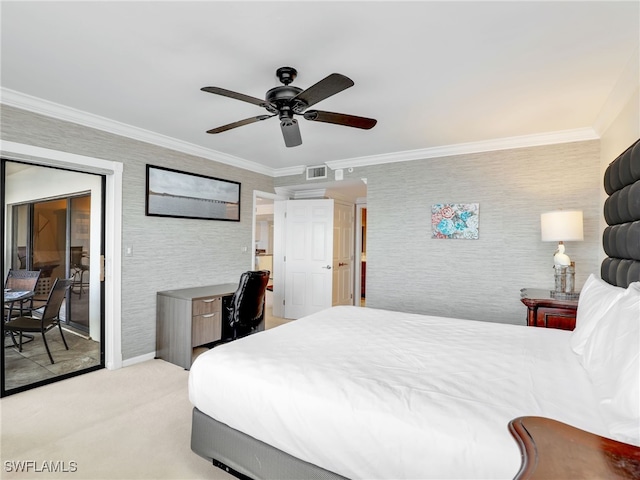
pixel 406 269
pixel 476 279
pixel 168 253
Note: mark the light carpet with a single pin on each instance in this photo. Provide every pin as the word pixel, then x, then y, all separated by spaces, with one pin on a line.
pixel 131 423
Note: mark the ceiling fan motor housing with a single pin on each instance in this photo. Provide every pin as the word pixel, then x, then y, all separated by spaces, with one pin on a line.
pixel 286 75
pixel 281 97
pixel 282 94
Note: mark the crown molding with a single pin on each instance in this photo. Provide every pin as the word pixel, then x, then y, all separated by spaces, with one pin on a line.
pixel 50 109
pixel 285 192
pixel 37 105
pixel 535 140
pixel 310 194
pixel 285 172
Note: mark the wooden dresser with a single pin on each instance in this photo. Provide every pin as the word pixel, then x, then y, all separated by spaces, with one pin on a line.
pixel 188 318
pixel 544 310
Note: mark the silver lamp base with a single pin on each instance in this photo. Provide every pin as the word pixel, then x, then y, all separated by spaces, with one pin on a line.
pixel 565 278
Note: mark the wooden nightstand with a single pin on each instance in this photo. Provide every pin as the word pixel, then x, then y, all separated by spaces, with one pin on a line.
pixel 551 449
pixel 547 311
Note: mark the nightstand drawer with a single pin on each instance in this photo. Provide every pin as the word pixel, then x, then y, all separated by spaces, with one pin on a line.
pixel 564 319
pixel 546 310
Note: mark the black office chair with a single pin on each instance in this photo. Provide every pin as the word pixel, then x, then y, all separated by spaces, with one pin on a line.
pixel 44 322
pixel 245 310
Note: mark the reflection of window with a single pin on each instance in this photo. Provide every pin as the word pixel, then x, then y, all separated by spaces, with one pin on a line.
pixel 81 224
pixel 80 219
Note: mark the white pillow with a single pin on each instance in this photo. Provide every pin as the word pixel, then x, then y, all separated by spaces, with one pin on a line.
pixel 596 297
pixel 612 360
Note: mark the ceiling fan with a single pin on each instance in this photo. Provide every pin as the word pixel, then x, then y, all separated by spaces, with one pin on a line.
pixel 285 101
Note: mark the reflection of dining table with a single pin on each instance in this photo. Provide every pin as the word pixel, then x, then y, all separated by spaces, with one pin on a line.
pixel 13 296
pixel 10 297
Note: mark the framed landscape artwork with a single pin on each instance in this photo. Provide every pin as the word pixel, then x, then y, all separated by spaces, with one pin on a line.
pixel 172 193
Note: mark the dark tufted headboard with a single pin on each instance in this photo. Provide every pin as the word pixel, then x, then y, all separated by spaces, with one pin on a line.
pixel 621 239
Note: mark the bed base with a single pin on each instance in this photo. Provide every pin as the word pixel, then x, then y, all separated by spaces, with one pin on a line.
pixel 247 458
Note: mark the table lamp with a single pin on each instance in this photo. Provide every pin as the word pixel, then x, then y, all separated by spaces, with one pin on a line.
pixel 562 226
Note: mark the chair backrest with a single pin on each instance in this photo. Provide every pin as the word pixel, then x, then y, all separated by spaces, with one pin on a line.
pixel 76 255
pixel 22 257
pixel 56 297
pixel 22 280
pixel 247 304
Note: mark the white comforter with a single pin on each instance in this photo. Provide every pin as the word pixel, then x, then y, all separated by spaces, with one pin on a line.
pixel 374 394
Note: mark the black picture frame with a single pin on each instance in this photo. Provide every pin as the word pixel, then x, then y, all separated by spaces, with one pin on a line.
pixel 178 194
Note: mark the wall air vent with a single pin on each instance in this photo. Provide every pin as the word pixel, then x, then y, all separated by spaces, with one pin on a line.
pixel 316 172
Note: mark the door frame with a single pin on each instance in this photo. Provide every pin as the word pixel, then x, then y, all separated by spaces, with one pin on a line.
pixel 358 257
pixel 113 172
pixel 352 254
pixel 278 294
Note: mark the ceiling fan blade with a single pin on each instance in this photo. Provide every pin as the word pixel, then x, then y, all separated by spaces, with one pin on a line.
pixel 236 95
pixel 240 123
pixel 334 83
pixel 291 133
pixel 340 119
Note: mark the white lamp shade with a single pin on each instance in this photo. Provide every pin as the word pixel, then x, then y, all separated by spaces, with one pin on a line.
pixel 562 226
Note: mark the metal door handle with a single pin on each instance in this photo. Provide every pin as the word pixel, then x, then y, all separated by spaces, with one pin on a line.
pixel 341 264
pixel 328 267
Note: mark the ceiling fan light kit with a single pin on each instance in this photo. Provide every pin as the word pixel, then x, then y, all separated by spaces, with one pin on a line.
pixel 285 101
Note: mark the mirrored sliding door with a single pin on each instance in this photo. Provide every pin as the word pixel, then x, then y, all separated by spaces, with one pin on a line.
pixel 53 225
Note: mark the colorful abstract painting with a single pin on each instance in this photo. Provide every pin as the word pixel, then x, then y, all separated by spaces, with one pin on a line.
pixel 455 220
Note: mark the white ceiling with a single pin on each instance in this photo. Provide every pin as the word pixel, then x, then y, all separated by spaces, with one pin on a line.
pixel 433 74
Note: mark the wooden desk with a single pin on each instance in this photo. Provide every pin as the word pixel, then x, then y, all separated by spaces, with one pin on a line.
pixel 188 318
pixel 544 310
pixel 555 450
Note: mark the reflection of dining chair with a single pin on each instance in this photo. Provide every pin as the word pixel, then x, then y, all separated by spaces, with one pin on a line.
pixel 245 311
pixel 20 280
pixel 42 323
pixel 22 257
pixel 78 269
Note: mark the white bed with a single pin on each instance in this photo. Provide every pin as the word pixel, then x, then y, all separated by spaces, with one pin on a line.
pixel 361 393
pixel 371 393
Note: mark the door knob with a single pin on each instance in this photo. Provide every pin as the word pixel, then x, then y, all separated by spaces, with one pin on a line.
pixel 328 267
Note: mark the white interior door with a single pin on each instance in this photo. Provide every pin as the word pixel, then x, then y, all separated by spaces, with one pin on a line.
pixel 308 257
pixel 343 258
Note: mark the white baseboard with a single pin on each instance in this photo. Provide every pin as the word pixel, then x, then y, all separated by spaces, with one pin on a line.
pixel 142 358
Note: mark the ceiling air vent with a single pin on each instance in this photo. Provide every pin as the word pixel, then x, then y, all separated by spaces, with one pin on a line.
pixel 316 172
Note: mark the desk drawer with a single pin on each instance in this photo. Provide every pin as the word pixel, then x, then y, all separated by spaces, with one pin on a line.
pixel 206 328
pixel 204 306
